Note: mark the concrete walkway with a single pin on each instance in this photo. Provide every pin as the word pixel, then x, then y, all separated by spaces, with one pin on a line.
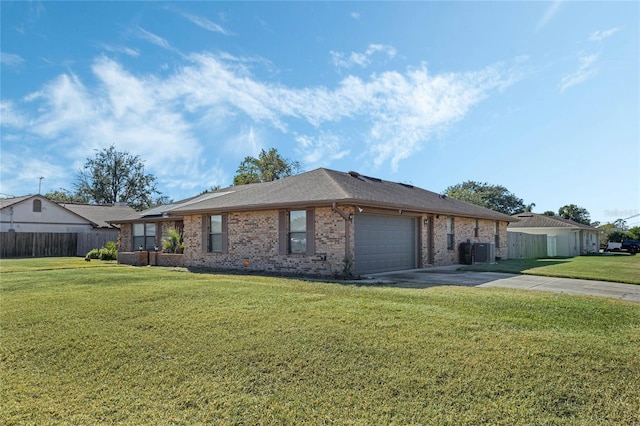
pixel 448 275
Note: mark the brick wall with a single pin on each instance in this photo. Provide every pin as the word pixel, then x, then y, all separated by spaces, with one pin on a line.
pixel 169 259
pixel 463 230
pixel 253 244
pixel 126 237
pixel 135 258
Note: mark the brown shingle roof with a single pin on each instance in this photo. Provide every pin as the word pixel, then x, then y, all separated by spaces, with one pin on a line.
pixel 534 220
pixel 6 202
pixel 100 214
pixel 324 187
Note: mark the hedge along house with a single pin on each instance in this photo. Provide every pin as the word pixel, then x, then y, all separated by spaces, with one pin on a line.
pixel 318 223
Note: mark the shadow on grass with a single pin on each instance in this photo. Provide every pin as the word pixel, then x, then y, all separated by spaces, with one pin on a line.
pixel 415 279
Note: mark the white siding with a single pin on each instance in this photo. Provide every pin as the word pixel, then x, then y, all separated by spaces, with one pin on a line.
pixel 52 218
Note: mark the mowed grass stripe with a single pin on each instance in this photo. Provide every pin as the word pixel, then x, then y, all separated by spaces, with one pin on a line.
pixel 621 268
pixel 158 346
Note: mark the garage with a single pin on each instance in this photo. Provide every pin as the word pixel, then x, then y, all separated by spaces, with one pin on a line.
pixel 384 243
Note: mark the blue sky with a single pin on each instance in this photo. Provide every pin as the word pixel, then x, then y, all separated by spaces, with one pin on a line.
pixel 541 97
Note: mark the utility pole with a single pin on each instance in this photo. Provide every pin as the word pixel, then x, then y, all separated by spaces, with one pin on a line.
pixel 40 184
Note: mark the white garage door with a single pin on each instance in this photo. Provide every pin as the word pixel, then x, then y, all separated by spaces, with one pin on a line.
pixel 384 243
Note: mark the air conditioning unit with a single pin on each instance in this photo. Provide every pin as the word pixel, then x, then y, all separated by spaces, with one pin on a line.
pixel 484 253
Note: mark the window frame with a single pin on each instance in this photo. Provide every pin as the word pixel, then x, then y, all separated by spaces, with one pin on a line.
pixel 37 206
pixel 207 234
pixel 450 229
pixel 496 234
pixel 299 231
pixel 147 237
pixel 285 233
pixel 217 235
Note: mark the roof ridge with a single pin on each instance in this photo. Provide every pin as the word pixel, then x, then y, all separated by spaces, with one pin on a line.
pixel 330 174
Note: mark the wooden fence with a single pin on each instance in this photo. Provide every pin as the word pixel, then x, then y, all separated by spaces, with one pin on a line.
pixel 91 240
pixel 526 246
pixel 49 244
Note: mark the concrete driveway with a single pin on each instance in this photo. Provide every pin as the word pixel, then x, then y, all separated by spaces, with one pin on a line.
pixel 448 275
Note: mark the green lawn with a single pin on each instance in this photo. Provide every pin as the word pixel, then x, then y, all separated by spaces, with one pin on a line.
pixel 607 267
pixel 93 343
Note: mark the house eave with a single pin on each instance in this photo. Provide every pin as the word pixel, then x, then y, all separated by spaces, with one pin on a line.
pixel 401 208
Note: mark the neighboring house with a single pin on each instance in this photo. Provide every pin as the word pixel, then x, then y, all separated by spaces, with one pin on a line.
pixel 35 213
pixel 565 237
pixel 321 222
pixel 39 215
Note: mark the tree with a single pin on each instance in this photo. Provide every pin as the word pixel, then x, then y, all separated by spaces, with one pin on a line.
pixel 269 166
pixel 494 197
pixel 529 207
pixel 65 196
pixel 616 236
pixel 634 233
pixel 549 213
pixel 575 213
pixel 116 177
pixel 212 189
pixel 620 224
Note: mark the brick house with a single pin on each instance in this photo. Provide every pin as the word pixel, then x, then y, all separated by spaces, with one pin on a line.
pixel 315 223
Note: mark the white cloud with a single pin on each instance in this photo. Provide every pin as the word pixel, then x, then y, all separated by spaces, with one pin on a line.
pixel 597 36
pixel 160 117
pixel 11 59
pixel 24 169
pixel 9 117
pixel 121 49
pixel 154 39
pixel 361 59
pixel 355 15
pixel 586 70
pixel 206 24
pixel 248 141
pixel 549 14
pixel 320 150
pixel 123 110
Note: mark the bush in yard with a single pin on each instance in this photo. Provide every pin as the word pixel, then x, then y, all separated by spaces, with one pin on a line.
pixel 107 252
pixel 93 254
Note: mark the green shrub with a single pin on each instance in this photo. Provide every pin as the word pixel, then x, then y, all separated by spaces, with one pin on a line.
pixel 93 254
pixel 107 252
pixel 172 243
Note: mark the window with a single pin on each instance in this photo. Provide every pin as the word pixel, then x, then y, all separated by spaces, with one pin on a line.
pixel 215 234
pixel 298 232
pixel 37 206
pixel 144 235
pixel 496 234
pixel 449 233
pixel 476 230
